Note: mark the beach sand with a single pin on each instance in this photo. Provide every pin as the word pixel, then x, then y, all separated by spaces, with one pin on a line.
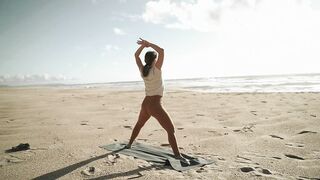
pixel 248 135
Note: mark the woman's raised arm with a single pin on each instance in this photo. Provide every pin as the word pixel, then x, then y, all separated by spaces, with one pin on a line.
pixel 159 50
pixel 137 54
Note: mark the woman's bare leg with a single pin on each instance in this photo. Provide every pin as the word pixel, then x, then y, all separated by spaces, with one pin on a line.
pixel 143 118
pixel 164 119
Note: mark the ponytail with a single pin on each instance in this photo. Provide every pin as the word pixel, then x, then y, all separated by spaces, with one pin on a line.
pixel 149 57
pixel 146 69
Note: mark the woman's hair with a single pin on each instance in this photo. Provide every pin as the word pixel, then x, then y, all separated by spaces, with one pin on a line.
pixel 149 57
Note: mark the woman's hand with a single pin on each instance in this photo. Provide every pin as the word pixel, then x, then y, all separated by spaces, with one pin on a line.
pixel 143 42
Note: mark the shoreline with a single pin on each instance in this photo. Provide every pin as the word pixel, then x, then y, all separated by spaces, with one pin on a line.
pixel 268 83
pixel 141 89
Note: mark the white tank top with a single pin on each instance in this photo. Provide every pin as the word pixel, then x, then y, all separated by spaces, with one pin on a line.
pixel 153 82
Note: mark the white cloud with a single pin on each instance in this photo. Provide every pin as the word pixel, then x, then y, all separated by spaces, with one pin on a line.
pixel 200 15
pixel 243 37
pixel 273 37
pixel 32 79
pixel 119 31
pixel 207 15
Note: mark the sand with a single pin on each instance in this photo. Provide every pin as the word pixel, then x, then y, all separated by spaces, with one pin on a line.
pixel 248 135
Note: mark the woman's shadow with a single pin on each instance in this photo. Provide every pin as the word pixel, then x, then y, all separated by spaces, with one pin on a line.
pixel 63 171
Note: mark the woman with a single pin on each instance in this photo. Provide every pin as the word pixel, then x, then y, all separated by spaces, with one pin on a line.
pixel 151 105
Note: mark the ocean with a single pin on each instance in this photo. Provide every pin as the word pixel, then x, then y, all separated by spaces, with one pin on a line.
pixel 268 83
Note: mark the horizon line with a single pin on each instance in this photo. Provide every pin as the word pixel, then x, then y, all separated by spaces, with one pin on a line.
pixel 171 79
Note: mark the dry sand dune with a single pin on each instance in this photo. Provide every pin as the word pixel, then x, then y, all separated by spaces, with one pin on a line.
pixel 248 135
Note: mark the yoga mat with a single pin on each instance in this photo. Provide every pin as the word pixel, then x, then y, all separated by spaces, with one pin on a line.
pixel 156 155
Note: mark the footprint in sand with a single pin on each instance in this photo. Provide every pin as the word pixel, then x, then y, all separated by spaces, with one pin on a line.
pixel 309 132
pixel 275 136
pixel 127 127
pixel 201 170
pixel 165 145
pixel 259 169
pixel 100 128
pixel 180 128
pixel 294 156
pixel 221 159
pixel 296 145
pixel 275 157
pixel 254 112
pixel 313 115
pixel 246 169
pixel 264 171
pixel 247 128
pixel 84 122
pixel 199 114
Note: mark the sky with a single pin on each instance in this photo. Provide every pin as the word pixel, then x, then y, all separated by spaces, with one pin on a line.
pixel 93 41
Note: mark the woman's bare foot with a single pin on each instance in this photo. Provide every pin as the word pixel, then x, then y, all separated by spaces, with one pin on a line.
pixel 183 160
